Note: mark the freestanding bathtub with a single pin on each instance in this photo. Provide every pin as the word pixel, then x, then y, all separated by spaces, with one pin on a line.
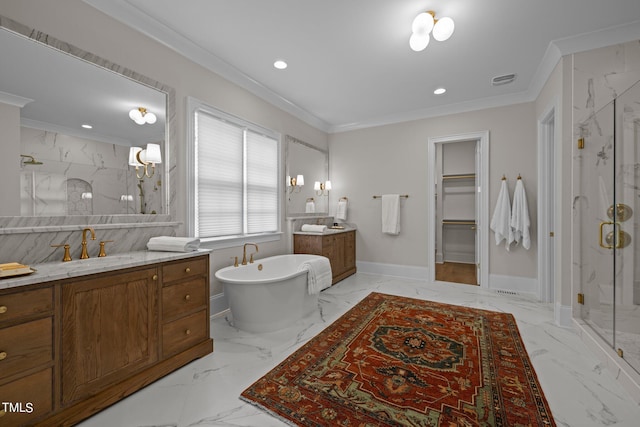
pixel 269 294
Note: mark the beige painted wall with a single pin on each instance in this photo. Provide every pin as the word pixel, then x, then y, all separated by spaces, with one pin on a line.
pixel 75 22
pixel 393 159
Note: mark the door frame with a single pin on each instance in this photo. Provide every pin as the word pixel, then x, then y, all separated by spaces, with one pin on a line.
pixel 482 222
pixel 548 135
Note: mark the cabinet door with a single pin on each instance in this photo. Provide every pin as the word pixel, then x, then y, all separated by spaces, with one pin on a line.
pixel 110 330
pixel 349 250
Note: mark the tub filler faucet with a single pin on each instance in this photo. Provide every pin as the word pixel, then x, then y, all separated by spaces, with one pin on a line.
pixel 244 253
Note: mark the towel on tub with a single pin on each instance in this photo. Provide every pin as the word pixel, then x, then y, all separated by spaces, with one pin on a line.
pixel 319 274
pixel 173 244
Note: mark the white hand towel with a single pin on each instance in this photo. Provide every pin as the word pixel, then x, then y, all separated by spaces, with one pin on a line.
pixel 310 207
pixel 173 244
pixel 313 228
pixel 520 216
pixel 319 275
pixel 391 214
pixel 500 222
pixel 341 212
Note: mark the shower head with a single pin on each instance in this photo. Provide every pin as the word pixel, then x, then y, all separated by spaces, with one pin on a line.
pixel 30 161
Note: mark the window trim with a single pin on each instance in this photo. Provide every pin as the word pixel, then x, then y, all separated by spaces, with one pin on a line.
pixel 194 105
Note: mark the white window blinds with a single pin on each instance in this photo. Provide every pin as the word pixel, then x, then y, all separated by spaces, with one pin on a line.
pixel 236 178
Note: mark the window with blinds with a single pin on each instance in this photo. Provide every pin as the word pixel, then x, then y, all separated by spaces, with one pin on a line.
pixel 235 176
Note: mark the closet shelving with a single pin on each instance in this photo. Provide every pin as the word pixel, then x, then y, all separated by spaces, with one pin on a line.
pixel 458 217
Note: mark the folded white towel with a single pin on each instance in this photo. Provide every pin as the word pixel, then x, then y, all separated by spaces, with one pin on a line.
pixel 500 222
pixel 520 216
pixel 173 244
pixel 319 275
pixel 313 228
pixel 391 214
pixel 341 211
pixel 310 207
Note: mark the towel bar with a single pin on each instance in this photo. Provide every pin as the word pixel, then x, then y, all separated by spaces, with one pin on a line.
pixel 406 196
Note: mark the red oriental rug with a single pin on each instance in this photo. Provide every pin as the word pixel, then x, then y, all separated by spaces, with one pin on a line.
pixel 400 361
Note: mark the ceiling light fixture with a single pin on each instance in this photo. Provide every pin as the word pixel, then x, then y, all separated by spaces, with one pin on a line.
pixel 426 23
pixel 141 116
pixel 87 126
pixel 280 64
pixel 439 91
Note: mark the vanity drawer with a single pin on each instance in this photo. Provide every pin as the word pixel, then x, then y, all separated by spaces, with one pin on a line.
pixel 25 346
pixel 184 269
pixel 27 303
pixel 184 333
pixel 183 297
pixel 30 398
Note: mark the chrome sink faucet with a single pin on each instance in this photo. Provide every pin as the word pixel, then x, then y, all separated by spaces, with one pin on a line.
pixel 85 254
pixel 244 253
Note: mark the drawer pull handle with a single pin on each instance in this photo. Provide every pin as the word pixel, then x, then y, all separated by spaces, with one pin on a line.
pixel 155 277
pixel 187 270
pixel 187 332
pixel 187 297
pixel 3 355
pixel 3 309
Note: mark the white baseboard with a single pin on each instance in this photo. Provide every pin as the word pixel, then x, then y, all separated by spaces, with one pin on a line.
pixel 394 270
pixel 563 315
pixel 218 304
pixel 518 285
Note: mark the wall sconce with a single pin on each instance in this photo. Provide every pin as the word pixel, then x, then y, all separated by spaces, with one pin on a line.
pixel 143 158
pixel 322 188
pixel 295 183
pixel 126 198
pixel 141 116
pixel 86 196
pixel 425 23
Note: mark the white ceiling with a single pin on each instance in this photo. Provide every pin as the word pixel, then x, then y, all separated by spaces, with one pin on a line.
pixel 350 65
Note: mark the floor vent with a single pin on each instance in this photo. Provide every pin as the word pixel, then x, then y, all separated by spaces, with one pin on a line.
pixel 503 80
pixel 505 292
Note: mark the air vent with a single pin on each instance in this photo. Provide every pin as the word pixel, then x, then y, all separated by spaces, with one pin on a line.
pixel 503 80
pixel 505 292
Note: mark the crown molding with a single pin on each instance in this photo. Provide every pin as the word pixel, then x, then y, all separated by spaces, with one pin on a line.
pixel 15 100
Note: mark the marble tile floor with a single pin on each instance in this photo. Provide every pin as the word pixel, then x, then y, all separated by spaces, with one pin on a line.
pixel 580 390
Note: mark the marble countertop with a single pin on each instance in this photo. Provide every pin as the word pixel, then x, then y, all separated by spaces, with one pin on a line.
pixel 328 230
pixel 51 271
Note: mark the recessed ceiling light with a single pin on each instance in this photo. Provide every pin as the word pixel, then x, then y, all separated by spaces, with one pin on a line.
pixel 439 91
pixel 87 126
pixel 280 64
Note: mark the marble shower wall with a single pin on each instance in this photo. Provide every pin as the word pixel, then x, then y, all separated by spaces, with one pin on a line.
pixel 89 166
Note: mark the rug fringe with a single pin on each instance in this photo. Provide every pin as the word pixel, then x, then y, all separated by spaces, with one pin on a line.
pixel 269 411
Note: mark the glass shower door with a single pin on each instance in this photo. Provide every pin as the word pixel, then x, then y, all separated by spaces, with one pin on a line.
pixel 597 190
pixel 608 209
pixel 626 247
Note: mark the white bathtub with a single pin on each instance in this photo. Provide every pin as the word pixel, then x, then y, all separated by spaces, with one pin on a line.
pixel 269 294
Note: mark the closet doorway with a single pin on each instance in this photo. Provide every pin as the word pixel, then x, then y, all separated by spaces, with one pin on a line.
pixel 458 208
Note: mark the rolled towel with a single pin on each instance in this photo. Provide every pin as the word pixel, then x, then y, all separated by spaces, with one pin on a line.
pixel 173 244
pixel 313 228
pixel 319 275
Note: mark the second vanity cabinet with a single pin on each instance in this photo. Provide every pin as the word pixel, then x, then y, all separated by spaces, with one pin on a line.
pixel 72 347
pixel 339 247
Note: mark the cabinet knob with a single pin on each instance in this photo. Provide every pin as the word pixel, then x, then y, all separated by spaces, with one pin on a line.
pixel 187 270
pixel 187 297
pixel 155 277
pixel 3 355
pixel 3 309
pixel 187 332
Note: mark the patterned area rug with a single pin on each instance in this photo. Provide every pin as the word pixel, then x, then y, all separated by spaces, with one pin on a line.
pixel 400 361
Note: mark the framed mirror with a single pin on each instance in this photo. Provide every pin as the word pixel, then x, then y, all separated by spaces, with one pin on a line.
pixel 67 131
pixel 309 164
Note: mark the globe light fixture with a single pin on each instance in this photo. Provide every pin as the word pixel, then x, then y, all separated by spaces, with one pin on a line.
pixel 426 23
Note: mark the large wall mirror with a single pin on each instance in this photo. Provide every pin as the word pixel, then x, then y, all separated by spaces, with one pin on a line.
pixel 311 163
pixel 67 132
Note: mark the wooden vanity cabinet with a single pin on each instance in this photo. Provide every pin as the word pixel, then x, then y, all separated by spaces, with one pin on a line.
pixel 26 355
pixel 340 248
pixel 82 344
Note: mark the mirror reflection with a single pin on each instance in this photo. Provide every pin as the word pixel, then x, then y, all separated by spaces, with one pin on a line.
pixel 307 172
pixel 67 135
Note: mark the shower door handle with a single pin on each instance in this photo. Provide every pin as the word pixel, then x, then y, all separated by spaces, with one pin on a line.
pixel 601 240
